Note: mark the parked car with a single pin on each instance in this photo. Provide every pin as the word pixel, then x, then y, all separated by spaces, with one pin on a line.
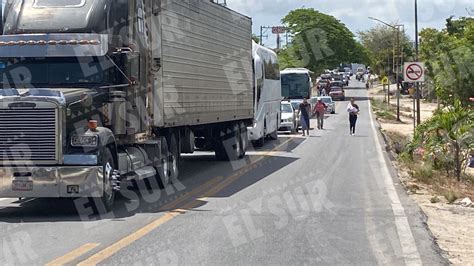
pixel 337 93
pixel 331 105
pixel 289 118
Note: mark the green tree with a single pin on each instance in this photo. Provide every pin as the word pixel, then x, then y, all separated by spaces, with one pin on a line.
pixel 320 41
pixel 449 56
pixel 380 41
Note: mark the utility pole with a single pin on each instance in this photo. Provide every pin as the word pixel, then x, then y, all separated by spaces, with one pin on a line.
pixel 418 104
pixel 397 53
pixel 398 64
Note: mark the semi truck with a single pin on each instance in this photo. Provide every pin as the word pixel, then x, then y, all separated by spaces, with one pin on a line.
pixel 98 92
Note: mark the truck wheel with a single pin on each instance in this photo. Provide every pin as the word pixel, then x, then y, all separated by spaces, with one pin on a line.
pixel 163 169
pixel 105 203
pixel 228 145
pixel 244 140
pixel 173 157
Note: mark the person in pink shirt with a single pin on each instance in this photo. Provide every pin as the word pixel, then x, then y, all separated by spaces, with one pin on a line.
pixel 320 111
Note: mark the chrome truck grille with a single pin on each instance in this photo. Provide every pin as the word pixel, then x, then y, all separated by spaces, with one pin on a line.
pixel 28 136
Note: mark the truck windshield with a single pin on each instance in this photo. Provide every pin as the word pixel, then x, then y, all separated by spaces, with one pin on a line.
pixel 57 72
pixel 295 86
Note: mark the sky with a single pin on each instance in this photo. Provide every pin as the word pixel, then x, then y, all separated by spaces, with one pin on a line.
pixel 354 14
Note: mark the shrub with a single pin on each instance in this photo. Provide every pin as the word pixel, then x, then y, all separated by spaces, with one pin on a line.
pixel 450 196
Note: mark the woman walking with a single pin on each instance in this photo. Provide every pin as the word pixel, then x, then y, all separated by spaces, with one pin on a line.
pixel 305 110
pixel 353 110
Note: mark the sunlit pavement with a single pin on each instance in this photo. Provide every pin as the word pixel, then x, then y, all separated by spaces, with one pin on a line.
pixel 323 199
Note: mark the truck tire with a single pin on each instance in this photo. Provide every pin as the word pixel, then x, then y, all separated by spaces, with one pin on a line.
pixel 105 203
pixel 163 170
pixel 228 145
pixel 173 157
pixel 244 140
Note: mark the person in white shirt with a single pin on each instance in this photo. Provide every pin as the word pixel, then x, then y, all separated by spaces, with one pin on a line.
pixel 353 110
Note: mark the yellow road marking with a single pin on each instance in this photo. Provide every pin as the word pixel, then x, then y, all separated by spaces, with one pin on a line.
pixel 128 240
pixel 73 255
pixel 124 242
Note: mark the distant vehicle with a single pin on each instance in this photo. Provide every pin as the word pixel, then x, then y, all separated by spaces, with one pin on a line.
pixel 296 83
pixel 337 77
pixel 323 84
pixel 289 118
pixel 337 84
pixel 345 79
pixel 360 74
pixel 331 105
pixel 337 93
pixel 267 93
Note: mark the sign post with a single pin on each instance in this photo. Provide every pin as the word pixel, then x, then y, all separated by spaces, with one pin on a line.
pixel 386 82
pixel 414 72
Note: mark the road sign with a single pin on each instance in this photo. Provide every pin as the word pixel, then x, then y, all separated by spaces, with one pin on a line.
pixel 385 81
pixel 414 72
pixel 278 30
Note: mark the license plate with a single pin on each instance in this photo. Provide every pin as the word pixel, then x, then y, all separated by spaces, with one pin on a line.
pixel 22 185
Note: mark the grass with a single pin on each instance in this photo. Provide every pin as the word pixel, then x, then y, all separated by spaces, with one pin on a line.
pixel 397 142
pixel 450 196
pixel 382 110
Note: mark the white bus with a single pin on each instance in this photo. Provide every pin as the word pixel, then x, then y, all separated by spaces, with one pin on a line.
pixel 296 83
pixel 267 95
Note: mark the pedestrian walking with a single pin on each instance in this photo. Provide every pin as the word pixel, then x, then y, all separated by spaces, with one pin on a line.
pixel 353 110
pixel 304 113
pixel 323 92
pixel 320 110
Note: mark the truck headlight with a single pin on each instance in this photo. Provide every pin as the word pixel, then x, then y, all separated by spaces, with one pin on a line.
pixel 84 141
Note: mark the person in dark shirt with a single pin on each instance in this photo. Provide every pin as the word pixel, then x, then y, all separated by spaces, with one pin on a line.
pixel 353 110
pixel 305 110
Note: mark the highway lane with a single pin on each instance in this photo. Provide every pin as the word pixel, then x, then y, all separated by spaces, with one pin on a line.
pixel 324 199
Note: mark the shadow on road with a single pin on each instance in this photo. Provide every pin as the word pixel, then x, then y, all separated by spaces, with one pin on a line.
pixel 201 174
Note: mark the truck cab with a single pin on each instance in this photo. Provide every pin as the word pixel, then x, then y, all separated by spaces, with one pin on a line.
pixel 90 96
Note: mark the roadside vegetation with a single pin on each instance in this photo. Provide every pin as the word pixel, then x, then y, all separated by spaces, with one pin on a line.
pixel 320 42
pixel 439 152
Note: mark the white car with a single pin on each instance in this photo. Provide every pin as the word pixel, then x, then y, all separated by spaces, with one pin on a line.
pixel 289 118
pixel 329 103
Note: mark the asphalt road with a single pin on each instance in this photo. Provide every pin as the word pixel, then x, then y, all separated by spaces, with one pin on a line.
pixel 325 199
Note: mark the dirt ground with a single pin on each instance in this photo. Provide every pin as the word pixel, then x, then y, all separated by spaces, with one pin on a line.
pixel 452 225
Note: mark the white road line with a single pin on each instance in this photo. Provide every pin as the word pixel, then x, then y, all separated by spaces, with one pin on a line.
pixel 405 235
pixel 1 199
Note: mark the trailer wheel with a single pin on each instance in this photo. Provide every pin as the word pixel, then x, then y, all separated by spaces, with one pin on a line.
pixel 163 169
pixel 244 140
pixel 105 203
pixel 173 157
pixel 228 145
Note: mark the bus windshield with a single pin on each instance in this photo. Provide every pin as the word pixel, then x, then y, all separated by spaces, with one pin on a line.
pixel 295 86
pixel 57 72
